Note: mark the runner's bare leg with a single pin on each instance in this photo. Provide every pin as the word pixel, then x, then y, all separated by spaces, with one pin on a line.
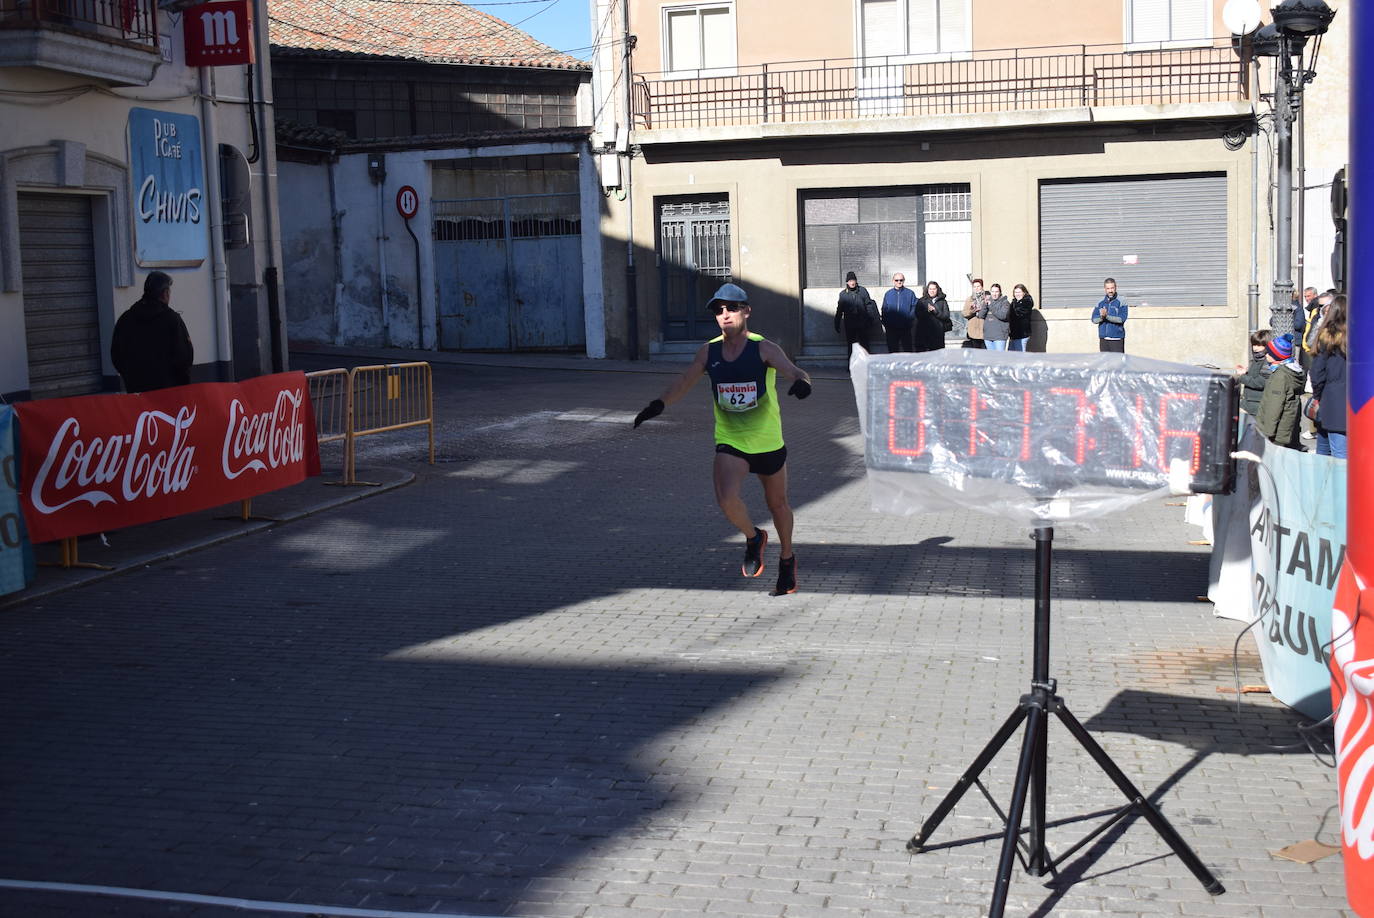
pixel 729 473
pixel 775 492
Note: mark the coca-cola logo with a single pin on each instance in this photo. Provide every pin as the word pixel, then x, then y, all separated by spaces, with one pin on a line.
pixel 268 439
pixel 152 459
pixel 1353 721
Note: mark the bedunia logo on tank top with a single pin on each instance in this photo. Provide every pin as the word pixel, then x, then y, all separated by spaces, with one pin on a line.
pixel 740 396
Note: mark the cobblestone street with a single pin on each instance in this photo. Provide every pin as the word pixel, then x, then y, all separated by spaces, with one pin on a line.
pixel 533 683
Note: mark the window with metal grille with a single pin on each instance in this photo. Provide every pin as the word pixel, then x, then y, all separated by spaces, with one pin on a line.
pixel 873 232
pixel 947 202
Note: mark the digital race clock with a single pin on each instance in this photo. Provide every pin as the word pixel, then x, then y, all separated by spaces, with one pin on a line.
pixel 1052 424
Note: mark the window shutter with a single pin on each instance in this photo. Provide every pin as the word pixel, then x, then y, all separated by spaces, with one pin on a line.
pixel 684 40
pixel 954 26
pixel 923 26
pixel 1149 20
pixel 1190 19
pixel 717 38
pixel 882 24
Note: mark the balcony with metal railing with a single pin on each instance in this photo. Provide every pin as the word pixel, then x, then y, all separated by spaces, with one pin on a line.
pixel 1015 80
pixel 115 40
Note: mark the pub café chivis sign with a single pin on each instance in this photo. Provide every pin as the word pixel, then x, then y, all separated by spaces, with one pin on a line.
pixel 170 208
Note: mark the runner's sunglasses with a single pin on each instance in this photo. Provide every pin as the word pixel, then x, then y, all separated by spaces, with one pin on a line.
pixel 718 308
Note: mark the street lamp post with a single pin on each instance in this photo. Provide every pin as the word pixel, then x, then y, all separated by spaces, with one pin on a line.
pixel 1295 22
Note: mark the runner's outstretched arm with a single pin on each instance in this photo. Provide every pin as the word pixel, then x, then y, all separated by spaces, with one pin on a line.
pixel 775 358
pixel 677 389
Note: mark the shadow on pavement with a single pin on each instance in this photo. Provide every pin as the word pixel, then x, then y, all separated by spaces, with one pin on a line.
pixel 316 714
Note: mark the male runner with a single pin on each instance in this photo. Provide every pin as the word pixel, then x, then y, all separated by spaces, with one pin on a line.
pixel 743 367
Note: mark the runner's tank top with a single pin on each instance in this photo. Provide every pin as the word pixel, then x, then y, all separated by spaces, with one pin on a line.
pixel 745 402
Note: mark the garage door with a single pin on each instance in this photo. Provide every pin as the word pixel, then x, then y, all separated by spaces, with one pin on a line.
pixel 509 273
pixel 61 316
pixel 1162 237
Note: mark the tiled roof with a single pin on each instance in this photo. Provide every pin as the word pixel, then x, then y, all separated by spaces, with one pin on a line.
pixel 308 136
pixel 472 140
pixel 423 30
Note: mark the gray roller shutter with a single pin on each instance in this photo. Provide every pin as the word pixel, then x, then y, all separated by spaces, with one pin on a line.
pixel 1162 238
pixel 61 317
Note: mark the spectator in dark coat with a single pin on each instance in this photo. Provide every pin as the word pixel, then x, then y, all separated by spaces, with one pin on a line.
pixel 932 319
pixel 1022 304
pixel 151 348
pixel 1328 380
pixel 855 314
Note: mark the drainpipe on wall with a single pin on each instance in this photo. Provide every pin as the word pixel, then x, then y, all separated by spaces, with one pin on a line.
pixel 381 260
pixel 1254 292
pixel 335 218
pixel 267 142
pixel 219 272
pixel 631 281
pixel 419 313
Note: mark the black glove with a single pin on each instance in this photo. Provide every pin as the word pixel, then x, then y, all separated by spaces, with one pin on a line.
pixel 801 389
pixel 652 410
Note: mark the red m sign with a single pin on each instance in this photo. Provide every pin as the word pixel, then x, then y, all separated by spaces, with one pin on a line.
pixel 219 33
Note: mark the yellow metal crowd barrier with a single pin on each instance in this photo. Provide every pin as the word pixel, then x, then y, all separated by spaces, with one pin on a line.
pixel 370 400
pixel 330 397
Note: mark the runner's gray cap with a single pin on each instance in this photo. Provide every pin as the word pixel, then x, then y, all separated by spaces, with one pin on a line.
pixel 729 293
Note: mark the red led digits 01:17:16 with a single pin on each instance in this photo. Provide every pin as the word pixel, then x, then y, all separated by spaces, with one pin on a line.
pixel 908 416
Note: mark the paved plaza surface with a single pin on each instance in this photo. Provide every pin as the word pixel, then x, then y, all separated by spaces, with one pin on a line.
pixel 532 682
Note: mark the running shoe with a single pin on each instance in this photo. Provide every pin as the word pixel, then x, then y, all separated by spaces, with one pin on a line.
pixel 753 554
pixel 787 576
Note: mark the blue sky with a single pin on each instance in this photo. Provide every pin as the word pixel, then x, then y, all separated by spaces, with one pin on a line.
pixel 564 25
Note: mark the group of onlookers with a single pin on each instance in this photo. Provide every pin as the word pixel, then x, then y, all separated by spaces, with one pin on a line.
pixel 1301 375
pixel 914 322
pixel 996 323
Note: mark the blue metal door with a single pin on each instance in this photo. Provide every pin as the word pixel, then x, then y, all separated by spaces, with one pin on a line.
pixel 509 273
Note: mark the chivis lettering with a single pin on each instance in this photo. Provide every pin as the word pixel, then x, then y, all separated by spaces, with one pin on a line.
pixel 92 468
pixel 158 206
pixel 270 438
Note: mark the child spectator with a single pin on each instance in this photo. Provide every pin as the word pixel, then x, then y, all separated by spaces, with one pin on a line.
pixel 1280 403
pixel 1253 379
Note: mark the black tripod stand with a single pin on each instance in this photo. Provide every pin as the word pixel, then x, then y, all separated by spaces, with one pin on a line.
pixel 1035 709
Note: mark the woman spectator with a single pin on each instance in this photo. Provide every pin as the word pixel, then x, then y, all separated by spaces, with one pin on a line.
pixel 932 319
pixel 1021 305
pixel 855 314
pixel 996 317
pixel 1328 380
pixel 973 331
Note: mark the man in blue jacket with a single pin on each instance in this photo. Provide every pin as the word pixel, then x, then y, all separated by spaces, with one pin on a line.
pixel 1110 319
pixel 899 315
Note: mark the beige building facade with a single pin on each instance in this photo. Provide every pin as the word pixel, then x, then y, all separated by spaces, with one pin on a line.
pixel 780 145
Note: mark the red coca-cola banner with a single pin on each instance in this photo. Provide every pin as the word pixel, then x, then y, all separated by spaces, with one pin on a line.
pixel 101 462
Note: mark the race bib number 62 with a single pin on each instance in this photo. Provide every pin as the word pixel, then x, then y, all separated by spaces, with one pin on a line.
pixel 737 396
